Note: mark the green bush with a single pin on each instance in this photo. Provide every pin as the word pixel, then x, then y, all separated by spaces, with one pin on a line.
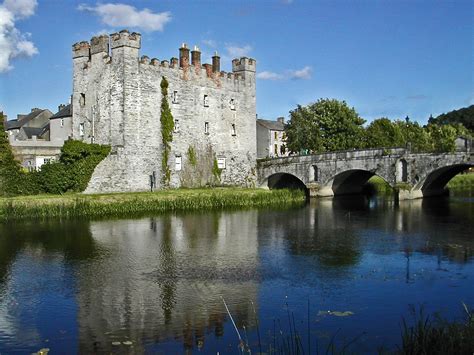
pixel 71 173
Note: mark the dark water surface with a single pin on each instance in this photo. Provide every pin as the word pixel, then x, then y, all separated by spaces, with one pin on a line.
pixel 155 284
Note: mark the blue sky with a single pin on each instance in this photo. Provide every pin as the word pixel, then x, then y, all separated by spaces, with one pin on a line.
pixel 387 58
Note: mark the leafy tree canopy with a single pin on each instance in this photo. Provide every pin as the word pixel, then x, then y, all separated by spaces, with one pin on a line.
pixel 465 116
pixel 325 125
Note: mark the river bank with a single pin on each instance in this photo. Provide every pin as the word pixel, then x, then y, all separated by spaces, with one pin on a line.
pixel 461 181
pixel 127 204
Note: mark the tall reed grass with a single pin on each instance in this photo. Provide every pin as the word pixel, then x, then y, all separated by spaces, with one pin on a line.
pixel 127 204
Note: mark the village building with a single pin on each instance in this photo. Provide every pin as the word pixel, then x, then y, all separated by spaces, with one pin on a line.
pixel 271 138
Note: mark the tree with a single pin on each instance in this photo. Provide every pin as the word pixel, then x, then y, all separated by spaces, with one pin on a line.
pixel 325 125
pixel 383 133
pixel 443 136
pixel 302 131
pixel 414 136
pixel 465 116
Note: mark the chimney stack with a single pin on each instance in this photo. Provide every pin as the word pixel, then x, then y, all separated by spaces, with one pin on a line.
pixel 184 56
pixel 196 57
pixel 216 63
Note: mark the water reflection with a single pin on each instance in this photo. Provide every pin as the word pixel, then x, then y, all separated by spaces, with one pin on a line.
pixel 95 286
pixel 164 278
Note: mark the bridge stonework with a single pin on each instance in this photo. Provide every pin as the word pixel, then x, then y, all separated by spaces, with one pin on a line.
pixel 414 175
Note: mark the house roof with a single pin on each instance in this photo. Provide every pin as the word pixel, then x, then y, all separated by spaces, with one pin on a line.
pixel 272 125
pixel 25 119
pixel 33 131
pixel 66 111
pixel 12 124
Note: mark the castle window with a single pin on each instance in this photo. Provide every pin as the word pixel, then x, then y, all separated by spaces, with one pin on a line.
pixel 275 149
pixel 221 163
pixel 177 161
pixel 82 99
pixel 206 101
pixel 176 126
pixel 81 129
pixel 175 97
pixel 233 130
pixel 232 104
pixel 206 127
pixel 276 135
pixel 62 122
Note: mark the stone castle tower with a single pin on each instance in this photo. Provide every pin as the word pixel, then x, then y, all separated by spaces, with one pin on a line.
pixel 117 98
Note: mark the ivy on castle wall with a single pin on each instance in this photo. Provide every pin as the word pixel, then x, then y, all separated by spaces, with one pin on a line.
pixel 201 168
pixel 167 127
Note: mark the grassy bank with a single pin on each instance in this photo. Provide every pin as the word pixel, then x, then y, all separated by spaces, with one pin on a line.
pixel 127 204
pixel 462 181
pixel 378 185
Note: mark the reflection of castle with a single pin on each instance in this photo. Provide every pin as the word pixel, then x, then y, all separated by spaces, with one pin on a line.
pixel 163 278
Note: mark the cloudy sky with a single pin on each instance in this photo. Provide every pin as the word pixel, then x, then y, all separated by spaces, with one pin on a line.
pixel 387 58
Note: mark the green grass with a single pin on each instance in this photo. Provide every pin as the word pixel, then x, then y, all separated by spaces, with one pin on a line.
pixel 139 203
pixel 379 186
pixel 462 181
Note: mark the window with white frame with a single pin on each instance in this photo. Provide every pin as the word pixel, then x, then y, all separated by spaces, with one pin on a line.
pixel 176 126
pixel 178 163
pixel 221 163
pixel 206 127
pixel 175 97
pixel 206 101
pixel 232 104
pixel 62 122
pixel 81 129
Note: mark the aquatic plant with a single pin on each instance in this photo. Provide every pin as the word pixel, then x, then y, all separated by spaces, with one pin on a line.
pixel 134 204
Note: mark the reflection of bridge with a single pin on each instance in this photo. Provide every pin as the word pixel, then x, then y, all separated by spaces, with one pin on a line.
pixel 339 173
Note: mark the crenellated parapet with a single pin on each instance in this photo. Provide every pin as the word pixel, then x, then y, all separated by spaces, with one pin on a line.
pixel 107 49
pixel 125 39
pixel 81 49
pixel 244 64
pixel 99 44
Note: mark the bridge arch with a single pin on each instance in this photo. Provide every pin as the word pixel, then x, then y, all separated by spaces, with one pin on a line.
pixel 351 181
pixel 284 181
pixel 434 183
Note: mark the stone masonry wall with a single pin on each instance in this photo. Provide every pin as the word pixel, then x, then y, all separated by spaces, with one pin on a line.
pixel 117 99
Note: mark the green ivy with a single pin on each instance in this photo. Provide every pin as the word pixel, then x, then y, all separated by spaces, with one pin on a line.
pixel 216 171
pixel 167 127
pixel 192 156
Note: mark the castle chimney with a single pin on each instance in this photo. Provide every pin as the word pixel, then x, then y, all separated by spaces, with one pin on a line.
pixel 281 120
pixel 60 107
pixel 196 57
pixel 183 56
pixel 216 63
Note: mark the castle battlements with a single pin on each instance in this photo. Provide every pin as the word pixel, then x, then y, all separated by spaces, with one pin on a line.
pixel 107 46
pixel 117 100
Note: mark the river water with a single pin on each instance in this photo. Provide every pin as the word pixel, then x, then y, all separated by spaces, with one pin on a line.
pixel 352 267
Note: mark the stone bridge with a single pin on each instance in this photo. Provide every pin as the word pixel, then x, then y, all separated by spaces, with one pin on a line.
pixel 339 173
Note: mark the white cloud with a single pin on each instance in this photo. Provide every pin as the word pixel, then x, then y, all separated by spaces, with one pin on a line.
pixel 301 74
pixel 304 73
pixel 122 15
pixel 238 51
pixel 21 8
pixel 13 43
pixel 268 75
pixel 210 43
